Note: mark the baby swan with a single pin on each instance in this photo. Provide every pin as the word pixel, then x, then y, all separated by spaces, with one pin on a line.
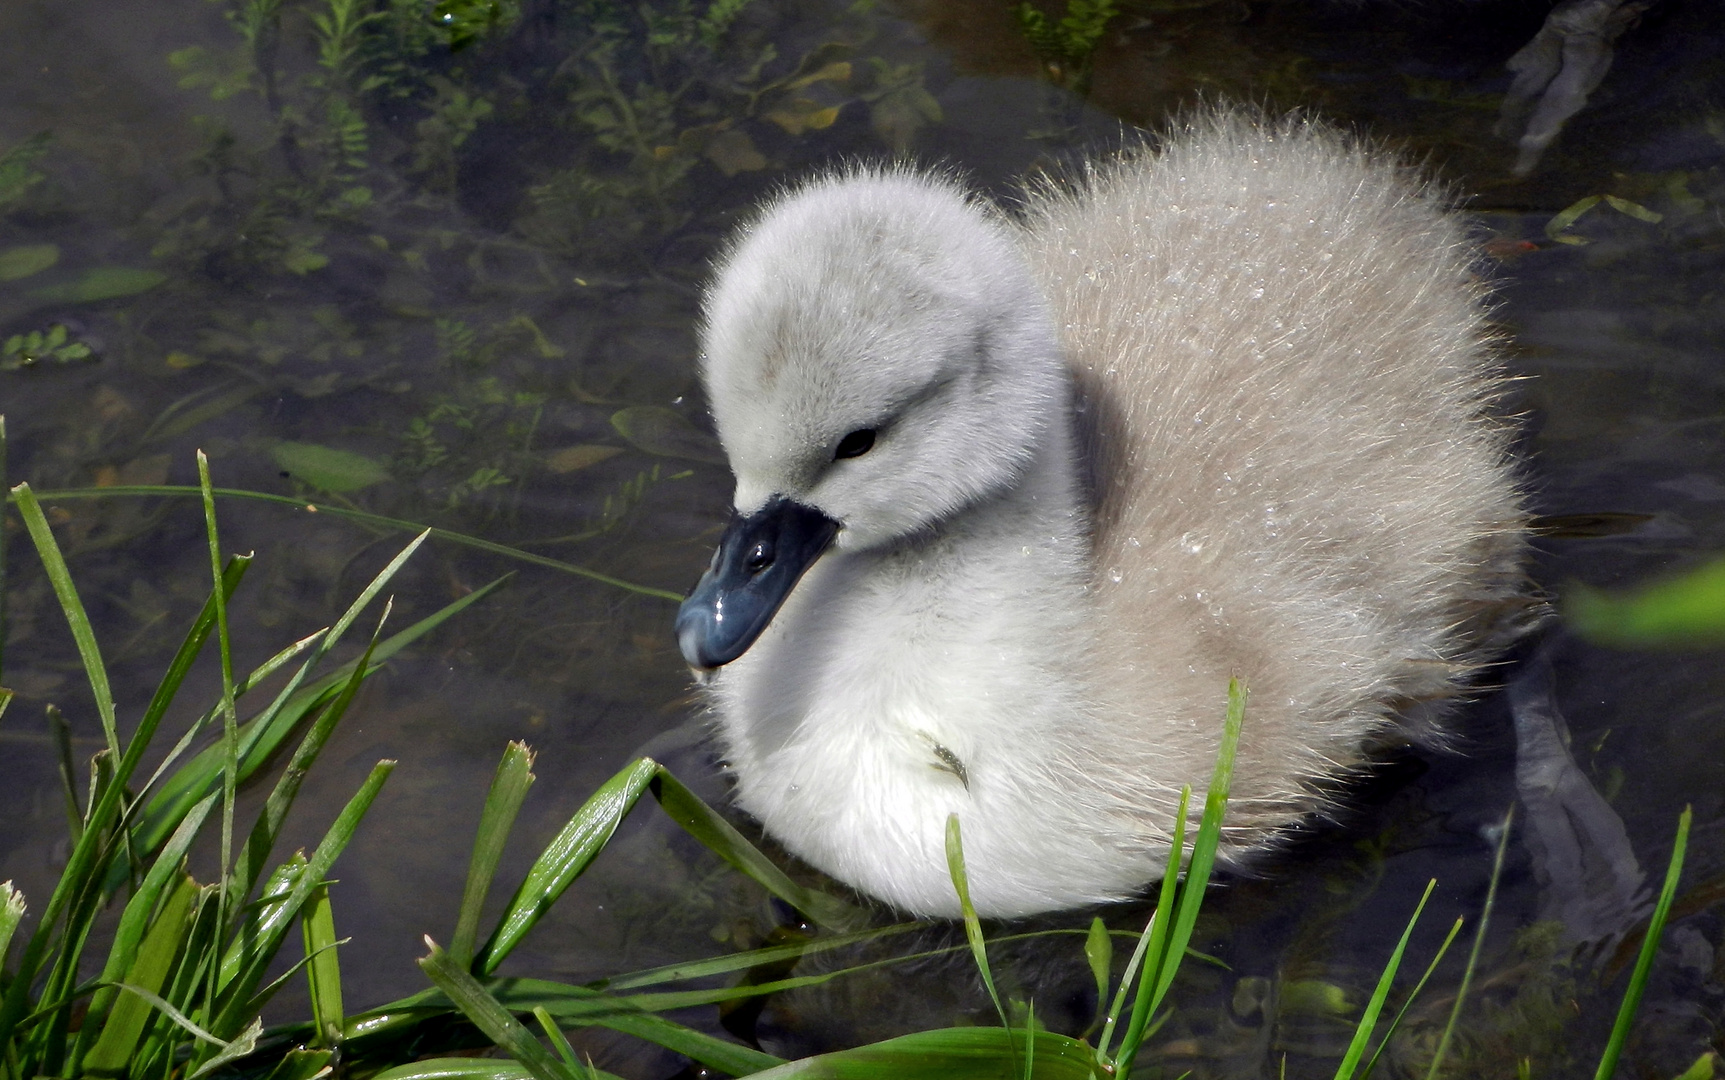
pixel 1016 497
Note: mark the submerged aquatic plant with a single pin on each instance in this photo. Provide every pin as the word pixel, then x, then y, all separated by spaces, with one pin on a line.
pixel 1066 45
pixel 54 344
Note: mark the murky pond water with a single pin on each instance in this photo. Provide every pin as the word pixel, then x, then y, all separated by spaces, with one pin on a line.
pixel 457 286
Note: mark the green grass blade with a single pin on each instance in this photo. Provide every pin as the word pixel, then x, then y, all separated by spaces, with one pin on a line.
pixel 261 841
pixel 224 643
pixel 263 735
pixel 706 825
pixel 268 990
pixel 260 917
pixel 371 591
pixel 1030 1042
pixel 772 954
pixel 461 1069
pixel 134 921
pixel 1395 1024
pixel 322 966
pixel 298 1064
pixel 378 520
pixel 491 1017
pixel 243 1045
pixel 1649 948
pixel 1099 954
pixel 554 1035
pixel 973 1053
pixel 238 1005
pixel 502 803
pixel 102 764
pixel 391 1020
pixel 1204 845
pixel 1191 892
pixel 1133 964
pixel 564 859
pixel 1478 944
pixel 11 914
pixel 175 1016
pixel 61 732
pixel 50 1039
pixel 585 1007
pixel 161 1048
pixel 1380 993
pixel 972 925
pixel 168 688
pixel 1152 947
pixel 126 1020
pixel 60 577
pixel 713 1053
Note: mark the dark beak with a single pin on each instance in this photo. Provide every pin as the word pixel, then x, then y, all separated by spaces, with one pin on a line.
pixel 760 559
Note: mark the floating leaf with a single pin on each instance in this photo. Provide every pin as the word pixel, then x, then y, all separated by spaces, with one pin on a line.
pixel 1556 228
pixel 1634 209
pixel 103 283
pixel 665 432
pixel 1568 216
pixel 574 458
pixel 326 467
pixel 1314 997
pixel 734 152
pixel 798 115
pixel 21 262
pixel 837 71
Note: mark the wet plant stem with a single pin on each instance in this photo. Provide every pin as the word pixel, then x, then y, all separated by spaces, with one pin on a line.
pixel 361 516
pixel 1478 944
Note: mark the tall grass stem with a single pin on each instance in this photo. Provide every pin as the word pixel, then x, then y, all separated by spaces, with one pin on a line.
pixel 1649 948
pixel 1503 833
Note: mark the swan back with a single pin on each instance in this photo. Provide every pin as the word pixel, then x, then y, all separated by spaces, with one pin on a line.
pixel 1294 434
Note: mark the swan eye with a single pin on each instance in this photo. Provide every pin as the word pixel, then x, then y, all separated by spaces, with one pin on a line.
pixel 856 444
pixel 760 557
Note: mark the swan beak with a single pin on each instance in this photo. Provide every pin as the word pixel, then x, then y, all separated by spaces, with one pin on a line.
pixel 760 559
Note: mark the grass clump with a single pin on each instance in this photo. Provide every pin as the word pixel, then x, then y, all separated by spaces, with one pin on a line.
pixel 180 989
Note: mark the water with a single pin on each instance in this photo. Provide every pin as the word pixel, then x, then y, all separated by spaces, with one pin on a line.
pixel 465 272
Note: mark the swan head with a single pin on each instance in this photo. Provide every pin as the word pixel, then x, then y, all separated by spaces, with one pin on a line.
pixel 878 358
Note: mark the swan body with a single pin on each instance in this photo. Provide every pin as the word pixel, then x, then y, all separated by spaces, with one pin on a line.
pixel 1221 409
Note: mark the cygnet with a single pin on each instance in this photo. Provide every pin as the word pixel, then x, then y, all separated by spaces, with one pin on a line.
pixel 1018 493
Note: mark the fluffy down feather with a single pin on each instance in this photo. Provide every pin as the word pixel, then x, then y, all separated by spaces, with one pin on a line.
pixel 1224 407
